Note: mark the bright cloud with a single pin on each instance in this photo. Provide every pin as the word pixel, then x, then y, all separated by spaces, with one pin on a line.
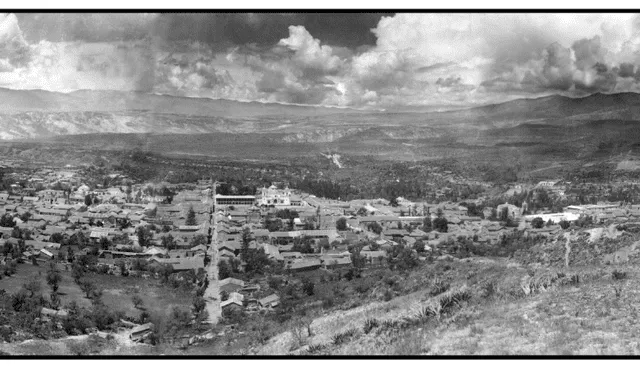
pixel 418 59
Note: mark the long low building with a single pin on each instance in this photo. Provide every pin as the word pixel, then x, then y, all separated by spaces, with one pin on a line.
pixel 235 200
pixel 555 217
pixel 286 237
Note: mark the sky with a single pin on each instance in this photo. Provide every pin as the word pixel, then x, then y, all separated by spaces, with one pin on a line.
pixel 360 60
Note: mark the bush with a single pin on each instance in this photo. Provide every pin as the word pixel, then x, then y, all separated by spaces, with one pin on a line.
pixel 137 302
pixel 439 286
pixel 618 275
pixel 344 337
pixel 308 288
pixel 440 224
pixel 388 295
pixel 537 222
pixel 316 348
pixel 370 324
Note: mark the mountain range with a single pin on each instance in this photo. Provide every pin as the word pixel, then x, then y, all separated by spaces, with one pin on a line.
pixel 32 114
pixel 176 124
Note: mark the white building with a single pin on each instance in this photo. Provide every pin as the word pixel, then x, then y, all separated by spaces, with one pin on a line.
pixel 274 196
pixel 555 217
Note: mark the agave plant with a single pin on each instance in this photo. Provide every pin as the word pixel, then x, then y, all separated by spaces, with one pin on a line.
pixel 370 324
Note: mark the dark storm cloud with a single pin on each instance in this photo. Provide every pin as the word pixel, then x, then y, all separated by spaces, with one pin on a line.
pixel 626 70
pixel 90 27
pixel 215 29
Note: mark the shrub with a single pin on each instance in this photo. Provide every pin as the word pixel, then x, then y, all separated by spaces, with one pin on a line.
pixel 439 286
pixel 490 290
pixel 388 295
pixel 308 288
pixel 370 324
pixel 316 348
pixel 537 222
pixel 619 275
pixel 344 336
pixel 137 302
pixel 361 288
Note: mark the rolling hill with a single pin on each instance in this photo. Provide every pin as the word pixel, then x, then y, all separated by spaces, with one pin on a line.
pixel 599 124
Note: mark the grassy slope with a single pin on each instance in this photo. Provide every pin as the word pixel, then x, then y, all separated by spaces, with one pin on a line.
pixel 597 314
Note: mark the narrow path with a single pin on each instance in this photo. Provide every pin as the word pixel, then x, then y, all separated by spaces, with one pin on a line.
pixel 567 248
pixel 212 294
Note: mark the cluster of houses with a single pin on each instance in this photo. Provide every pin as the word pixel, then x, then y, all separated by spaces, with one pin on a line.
pixel 53 216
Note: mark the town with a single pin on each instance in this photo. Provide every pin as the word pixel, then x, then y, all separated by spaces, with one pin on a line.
pixel 235 256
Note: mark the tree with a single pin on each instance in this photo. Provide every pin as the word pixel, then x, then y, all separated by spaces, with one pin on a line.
pixel 564 224
pixel 246 238
pixel 375 228
pixel 144 236
pixel 198 305
pixel 168 242
pixel 256 260
pixel 191 217
pixel 77 272
pixel 273 225
pixel 7 221
pixel 393 202
pixel 341 224
pixel 137 302
pixel 224 296
pixel 426 224
pixel 362 212
pixel 25 216
pixel 537 222
pixel 89 288
pixel 440 224
pixel 419 246
pixel 123 268
pixel 104 243
pixel 87 200
pixel 57 237
pixel 53 277
pixel 308 287
pixel 198 311
pixel 224 270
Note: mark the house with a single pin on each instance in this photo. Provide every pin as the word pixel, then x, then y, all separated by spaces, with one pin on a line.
pixel 234 302
pixel 336 262
pixel 270 301
pixel 303 265
pixel 374 256
pixel 231 246
pixel 181 264
pixel 140 333
pixel 156 251
pixel 226 254
pixel 45 255
pixel 408 240
pixel 198 250
pixel 46 312
pixel 291 255
pixel 231 284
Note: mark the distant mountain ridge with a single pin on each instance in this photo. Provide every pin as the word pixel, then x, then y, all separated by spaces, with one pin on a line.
pixel 12 101
pixel 34 114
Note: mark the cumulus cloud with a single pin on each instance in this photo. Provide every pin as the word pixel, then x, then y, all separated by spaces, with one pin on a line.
pixel 309 54
pixel 406 59
pixel 14 50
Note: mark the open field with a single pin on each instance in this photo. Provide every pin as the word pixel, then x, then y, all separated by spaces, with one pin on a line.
pixel 117 290
pixel 68 290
